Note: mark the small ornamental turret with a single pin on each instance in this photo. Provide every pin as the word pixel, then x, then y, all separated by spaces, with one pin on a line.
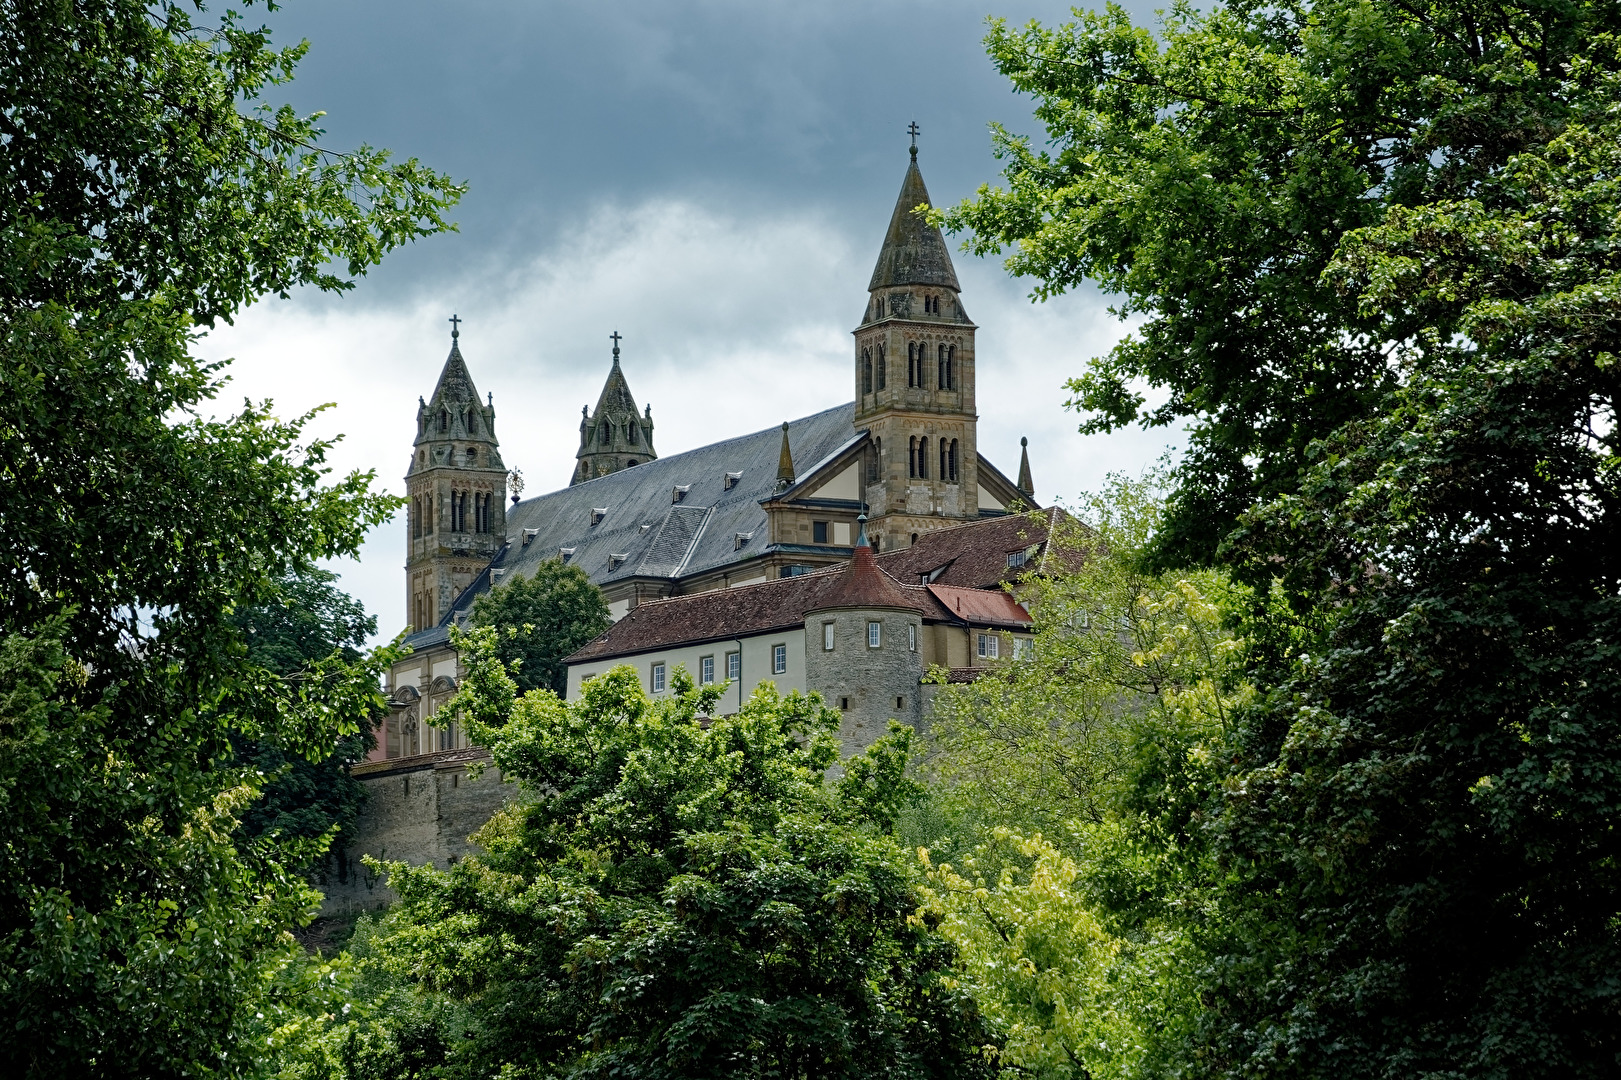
pixel 1026 485
pixel 785 463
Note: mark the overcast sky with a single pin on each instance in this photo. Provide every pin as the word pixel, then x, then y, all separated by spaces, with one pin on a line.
pixel 712 179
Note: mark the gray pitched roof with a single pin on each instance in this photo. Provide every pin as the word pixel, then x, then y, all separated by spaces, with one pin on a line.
pixel 914 252
pixel 643 532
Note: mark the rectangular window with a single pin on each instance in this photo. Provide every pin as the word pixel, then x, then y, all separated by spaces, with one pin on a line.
pixel 875 635
pixel 911 636
pixel 819 532
pixel 779 659
pixel 827 636
pixel 1023 648
pixel 657 680
pixel 989 645
pixel 844 704
pixel 706 670
pixel 1015 558
pixel 734 666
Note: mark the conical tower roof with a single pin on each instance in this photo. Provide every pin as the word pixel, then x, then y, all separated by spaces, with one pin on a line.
pixel 455 385
pixel 914 252
pixel 863 584
pixel 616 395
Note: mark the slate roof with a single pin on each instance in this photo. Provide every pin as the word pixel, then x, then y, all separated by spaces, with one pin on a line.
pixel 657 537
pixel 914 252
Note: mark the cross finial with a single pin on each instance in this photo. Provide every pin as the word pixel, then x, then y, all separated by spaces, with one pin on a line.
pixel 455 327
pixel 616 340
pixel 913 130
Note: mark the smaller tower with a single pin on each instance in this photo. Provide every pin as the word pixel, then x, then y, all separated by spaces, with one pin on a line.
pixel 456 487
pixel 613 437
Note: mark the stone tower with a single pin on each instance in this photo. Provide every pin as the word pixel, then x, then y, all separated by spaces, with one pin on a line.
pixel 614 437
pixel 914 353
pixel 456 487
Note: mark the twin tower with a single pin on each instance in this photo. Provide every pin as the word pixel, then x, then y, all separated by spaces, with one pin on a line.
pixel 918 463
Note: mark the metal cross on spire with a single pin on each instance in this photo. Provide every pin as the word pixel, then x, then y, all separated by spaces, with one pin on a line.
pixel 616 340
pixel 455 326
pixel 913 130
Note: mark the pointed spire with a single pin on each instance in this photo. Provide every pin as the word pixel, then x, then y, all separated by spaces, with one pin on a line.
pixel 914 251
pixel 1026 485
pixel 785 463
pixel 861 534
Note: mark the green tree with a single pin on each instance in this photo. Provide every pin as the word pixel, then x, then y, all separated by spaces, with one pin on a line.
pixel 677 897
pixel 145 191
pixel 1375 242
pixel 309 620
pixel 1047 850
pixel 543 618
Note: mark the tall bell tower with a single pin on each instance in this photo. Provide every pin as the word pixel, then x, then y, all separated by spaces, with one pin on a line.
pixel 914 374
pixel 456 487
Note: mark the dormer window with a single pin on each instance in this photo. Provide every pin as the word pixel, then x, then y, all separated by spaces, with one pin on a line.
pixel 740 539
pixel 444 420
pixel 565 553
pixel 679 493
pixel 598 513
pixel 529 536
pixel 616 559
pixel 731 481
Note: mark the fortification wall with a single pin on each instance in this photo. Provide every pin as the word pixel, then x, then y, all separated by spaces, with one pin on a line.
pixel 419 810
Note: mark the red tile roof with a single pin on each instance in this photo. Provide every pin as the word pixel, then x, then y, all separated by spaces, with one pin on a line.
pixel 782 604
pixel 982 607
pixel 975 555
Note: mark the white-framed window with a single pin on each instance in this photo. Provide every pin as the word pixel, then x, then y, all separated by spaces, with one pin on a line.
pixel 706 670
pixel 989 646
pixel 875 634
pixel 656 679
pixel 779 659
pixel 827 636
pixel 911 637
pixel 734 666
pixel 1023 648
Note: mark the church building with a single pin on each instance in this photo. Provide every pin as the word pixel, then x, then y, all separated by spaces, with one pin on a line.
pixel 839 497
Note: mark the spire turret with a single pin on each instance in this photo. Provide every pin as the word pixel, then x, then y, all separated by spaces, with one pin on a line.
pixel 1026 485
pixel 613 437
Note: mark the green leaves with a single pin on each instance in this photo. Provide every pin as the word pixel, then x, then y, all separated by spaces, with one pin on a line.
pixel 543 618
pixel 146 190
pixel 683 894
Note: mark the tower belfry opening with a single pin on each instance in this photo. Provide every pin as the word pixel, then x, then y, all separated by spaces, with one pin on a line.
pixel 614 436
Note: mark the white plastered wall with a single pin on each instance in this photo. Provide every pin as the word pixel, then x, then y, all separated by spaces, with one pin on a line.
pixel 757 653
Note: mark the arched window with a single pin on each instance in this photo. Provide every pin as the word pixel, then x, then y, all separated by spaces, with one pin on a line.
pixel 923 458
pixel 952 461
pixel 606 435
pixel 875 466
pixel 866 371
pixel 940 378
pixel 911 457
pixel 911 364
pixel 416 518
pixel 951 367
pixel 945 466
pixel 883 369
pixel 470 428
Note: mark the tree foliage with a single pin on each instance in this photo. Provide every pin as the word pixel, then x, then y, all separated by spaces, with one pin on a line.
pixel 145 191
pixel 544 618
pixel 680 897
pixel 1375 244
pixel 309 620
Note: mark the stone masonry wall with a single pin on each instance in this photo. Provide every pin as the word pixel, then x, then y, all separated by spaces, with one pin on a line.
pixel 870 679
pixel 420 811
